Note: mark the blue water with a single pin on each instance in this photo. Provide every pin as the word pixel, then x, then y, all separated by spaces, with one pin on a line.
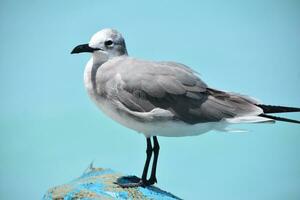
pixel 50 131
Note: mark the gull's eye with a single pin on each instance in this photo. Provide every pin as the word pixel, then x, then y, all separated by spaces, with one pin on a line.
pixel 108 43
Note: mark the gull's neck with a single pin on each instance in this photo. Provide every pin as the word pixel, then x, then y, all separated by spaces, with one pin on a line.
pixel 98 59
pixel 91 68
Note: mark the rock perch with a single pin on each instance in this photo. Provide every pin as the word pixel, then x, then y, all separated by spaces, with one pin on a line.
pixel 99 183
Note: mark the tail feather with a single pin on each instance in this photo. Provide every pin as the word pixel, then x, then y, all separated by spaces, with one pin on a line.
pixel 277 109
pixel 280 118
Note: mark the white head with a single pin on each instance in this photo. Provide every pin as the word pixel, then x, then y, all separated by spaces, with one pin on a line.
pixel 107 42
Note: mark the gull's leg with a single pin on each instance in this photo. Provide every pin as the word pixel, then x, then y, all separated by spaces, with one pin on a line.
pixel 146 167
pixel 133 181
pixel 152 178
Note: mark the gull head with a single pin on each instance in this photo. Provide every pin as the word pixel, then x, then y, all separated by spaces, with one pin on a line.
pixel 105 43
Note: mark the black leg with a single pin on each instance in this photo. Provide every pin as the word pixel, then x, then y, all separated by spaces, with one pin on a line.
pixel 146 166
pixel 153 179
pixel 133 181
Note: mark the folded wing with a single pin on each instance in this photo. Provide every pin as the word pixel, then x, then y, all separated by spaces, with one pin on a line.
pixel 142 86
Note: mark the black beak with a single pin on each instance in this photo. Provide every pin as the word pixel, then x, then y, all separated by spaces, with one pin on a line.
pixel 84 48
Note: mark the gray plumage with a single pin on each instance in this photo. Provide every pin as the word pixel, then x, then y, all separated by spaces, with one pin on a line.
pixel 146 85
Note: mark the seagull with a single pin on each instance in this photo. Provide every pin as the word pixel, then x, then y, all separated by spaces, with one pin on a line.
pixel 162 98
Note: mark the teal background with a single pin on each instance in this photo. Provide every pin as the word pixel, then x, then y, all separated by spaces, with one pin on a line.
pixel 50 130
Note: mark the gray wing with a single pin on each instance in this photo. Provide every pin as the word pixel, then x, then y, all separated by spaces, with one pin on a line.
pixel 171 86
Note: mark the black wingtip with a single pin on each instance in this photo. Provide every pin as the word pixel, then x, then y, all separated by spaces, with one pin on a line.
pixel 280 118
pixel 277 109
